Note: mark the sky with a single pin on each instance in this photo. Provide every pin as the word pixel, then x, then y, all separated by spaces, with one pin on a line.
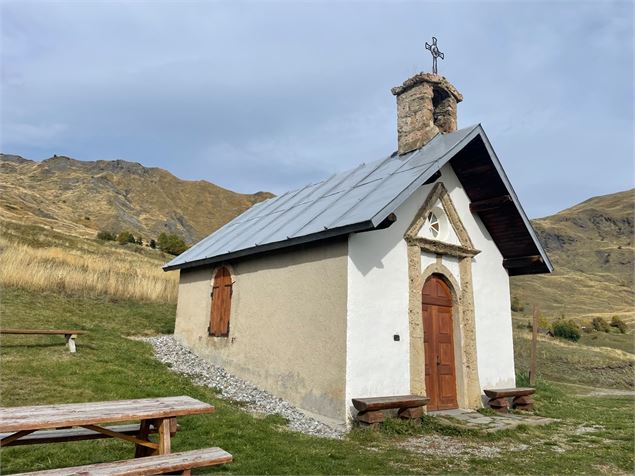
pixel 274 95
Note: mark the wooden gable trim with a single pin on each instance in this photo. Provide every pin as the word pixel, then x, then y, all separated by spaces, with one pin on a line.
pixel 440 193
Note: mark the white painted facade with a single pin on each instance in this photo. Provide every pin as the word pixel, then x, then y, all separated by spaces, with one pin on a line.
pixel 377 364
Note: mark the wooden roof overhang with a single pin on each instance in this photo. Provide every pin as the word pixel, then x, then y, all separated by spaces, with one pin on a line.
pixel 494 201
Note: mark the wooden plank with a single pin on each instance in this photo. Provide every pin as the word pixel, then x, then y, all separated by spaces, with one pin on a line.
pixel 509 392
pixel 384 403
pixel 41 331
pixel 41 417
pixel 8 439
pixel 522 261
pixel 72 434
pixel 121 436
pixel 490 203
pixel 159 464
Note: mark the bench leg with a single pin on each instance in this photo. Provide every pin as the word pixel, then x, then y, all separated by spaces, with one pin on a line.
pixel 372 418
pixel 501 405
pixel 70 342
pixel 525 403
pixel 410 413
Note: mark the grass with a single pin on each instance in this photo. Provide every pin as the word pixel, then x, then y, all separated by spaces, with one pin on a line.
pixel 107 365
pixel 41 260
pixel 586 362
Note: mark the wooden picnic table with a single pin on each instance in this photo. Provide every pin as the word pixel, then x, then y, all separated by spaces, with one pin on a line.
pixel 153 413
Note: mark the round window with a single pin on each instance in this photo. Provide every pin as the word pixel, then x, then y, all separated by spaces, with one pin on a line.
pixel 436 224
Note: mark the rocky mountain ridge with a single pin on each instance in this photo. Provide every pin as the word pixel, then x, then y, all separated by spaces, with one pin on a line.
pixel 83 197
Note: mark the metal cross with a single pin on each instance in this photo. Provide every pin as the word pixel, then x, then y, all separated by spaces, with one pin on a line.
pixel 434 50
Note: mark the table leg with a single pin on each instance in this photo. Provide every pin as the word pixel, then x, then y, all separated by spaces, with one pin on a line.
pixel 70 341
pixel 165 436
pixel 144 431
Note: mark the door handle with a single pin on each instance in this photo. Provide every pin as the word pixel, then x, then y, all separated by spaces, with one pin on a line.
pixel 438 360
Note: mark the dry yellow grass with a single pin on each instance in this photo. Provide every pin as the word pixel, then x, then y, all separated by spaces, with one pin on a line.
pixel 116 273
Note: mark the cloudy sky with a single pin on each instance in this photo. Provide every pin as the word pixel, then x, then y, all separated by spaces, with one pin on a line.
pixel 272 95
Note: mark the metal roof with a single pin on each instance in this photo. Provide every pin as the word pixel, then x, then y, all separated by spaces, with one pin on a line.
pixel 355 200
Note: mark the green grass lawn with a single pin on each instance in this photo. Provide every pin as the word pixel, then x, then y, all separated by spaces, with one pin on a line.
pixel 107 365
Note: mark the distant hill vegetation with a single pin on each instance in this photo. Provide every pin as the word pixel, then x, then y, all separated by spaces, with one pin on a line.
pixel 592 246
pixel 81 198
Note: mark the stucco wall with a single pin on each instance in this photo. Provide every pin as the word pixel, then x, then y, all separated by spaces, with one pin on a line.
pixel 287 327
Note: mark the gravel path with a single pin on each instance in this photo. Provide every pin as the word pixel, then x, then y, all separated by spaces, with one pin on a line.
pixel 182 361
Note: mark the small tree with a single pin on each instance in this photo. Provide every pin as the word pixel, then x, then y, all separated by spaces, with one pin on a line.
pixel 619 324
pixel 600 325
pixel 153 244
pixel 171 244
pixel 566 330
pixel 125 237
pixel 517 306
pixel 106 235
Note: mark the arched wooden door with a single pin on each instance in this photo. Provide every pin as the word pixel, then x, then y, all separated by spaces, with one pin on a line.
pixel 438 344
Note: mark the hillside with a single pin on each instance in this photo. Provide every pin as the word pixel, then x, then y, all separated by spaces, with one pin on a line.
pixel 591 246
pixel 80 198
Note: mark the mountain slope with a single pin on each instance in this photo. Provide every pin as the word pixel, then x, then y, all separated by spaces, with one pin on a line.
pixel 591 245
pixel 80 198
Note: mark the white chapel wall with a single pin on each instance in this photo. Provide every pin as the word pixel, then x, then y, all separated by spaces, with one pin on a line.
pixel 378 301
pixel 378 307
pixel 494 339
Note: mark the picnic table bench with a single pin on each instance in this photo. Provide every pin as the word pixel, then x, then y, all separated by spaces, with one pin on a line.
pixel 499 398
pixel 69 335
pixel 83 421
pixel 161 464
pixel 371 409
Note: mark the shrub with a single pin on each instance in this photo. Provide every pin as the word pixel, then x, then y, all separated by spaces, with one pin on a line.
pixel 139 240
pixel 106 236
pixel 517 306
pixel 619 323
pixel 153 244
pixel 125 237
pixel 171 244
pixel 600 325
pixel 566 330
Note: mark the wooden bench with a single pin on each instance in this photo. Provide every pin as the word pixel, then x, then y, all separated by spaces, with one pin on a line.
pixel 69 335
pixel 78 434
pixel 160 464
pixel 522 398
pixel 371 409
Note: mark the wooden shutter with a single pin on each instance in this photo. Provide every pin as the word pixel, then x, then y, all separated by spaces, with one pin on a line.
pixel 221 303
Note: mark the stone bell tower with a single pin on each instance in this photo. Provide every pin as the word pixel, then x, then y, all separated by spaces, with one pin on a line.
pixel 426 105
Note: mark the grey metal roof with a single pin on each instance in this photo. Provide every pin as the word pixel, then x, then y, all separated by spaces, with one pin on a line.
pixel 355 200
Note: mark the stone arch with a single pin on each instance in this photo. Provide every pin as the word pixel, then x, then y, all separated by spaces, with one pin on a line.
pixel 468 391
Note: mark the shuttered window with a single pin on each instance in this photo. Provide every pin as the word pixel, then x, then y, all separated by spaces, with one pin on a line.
pixel 221 303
